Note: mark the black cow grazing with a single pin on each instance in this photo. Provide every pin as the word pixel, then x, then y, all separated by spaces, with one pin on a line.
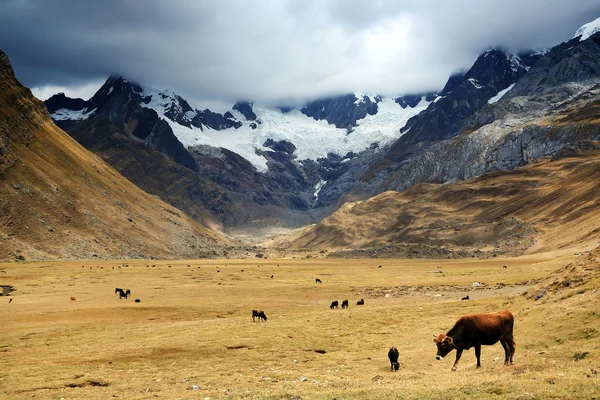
pixel 379 266
pixel 504 266
pixel 137 300
pixel 361 302
pixel 475 331
pixel 258 314
pixel 123 293
pixel 334 304
pixel 393 355
pixel 466 298
pixel 345 304
pixel 271 276
pixel 318 280
pixel 10 300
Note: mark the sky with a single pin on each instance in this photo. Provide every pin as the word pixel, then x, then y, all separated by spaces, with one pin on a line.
pixel 271 51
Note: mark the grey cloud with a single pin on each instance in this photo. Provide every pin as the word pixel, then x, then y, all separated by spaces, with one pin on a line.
pixel 273 51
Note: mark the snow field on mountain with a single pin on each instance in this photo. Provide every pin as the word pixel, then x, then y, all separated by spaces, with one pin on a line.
pixel 588 30
pixel 66 114
pixel 313 139
pixel 500 94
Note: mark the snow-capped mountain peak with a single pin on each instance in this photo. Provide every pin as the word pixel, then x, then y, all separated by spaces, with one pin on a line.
pixel 588 30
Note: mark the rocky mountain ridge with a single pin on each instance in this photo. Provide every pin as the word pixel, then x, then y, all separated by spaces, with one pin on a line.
pixel 289 167
pixel 61 201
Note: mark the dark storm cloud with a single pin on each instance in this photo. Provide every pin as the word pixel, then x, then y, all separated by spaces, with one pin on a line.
pixel 273 50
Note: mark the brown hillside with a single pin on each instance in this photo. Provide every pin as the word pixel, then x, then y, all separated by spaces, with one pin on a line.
pixel 59 200
pixel 543 206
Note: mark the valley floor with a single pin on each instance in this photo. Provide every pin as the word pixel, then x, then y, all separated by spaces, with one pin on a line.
pixel 67 335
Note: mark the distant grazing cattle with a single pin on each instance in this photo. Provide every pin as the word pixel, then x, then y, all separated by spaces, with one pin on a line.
pixel 393 355
pixel 504 266
pixel 334 304
pixel 379 266
pixel 73 298
pixel 258 314
pixel 271 276
pixel 10 300
pixel 137 300
pixel 475 331
pixel 345 304
pixel 123 293
pixel 361 302
pixel 318 280
pixel 466 298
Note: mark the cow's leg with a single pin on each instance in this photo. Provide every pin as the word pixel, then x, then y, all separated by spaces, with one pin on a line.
pixel 478 355
pixel 513 347
pixel 507 351
pixel 458 355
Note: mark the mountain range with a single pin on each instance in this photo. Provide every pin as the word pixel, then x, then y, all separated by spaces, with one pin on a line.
pixel 254 169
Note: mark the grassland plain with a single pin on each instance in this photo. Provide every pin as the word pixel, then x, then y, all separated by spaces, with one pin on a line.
pixel 193 329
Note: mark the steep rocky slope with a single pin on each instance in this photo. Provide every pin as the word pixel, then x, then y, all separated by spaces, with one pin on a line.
pixel 541 114
pixel 546 205
pixel 60 200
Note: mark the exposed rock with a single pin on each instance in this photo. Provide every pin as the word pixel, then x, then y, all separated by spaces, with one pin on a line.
pixel 245 108
pixel 341 111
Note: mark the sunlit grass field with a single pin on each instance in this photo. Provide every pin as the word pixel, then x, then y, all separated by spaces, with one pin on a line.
pixel 191 336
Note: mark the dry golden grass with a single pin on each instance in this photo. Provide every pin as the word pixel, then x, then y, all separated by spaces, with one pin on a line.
pixel 495 212
pixel 193 327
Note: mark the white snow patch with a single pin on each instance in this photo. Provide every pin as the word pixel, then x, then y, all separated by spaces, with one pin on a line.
pixel 110 90
pixel 360 97
pixel 515 63
pixel 588 30
pixel 65 114
pixel 190 115
pixel 318 188
pixel 475 83
pixel 499 95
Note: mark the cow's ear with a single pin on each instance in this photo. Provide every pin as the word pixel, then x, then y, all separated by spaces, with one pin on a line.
pixel 449 339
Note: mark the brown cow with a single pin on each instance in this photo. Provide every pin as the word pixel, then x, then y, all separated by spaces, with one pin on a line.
pixel 258 314
pixel 475 331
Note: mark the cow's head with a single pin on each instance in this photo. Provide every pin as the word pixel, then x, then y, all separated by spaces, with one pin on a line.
pixel 396 366
pixel 444 345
